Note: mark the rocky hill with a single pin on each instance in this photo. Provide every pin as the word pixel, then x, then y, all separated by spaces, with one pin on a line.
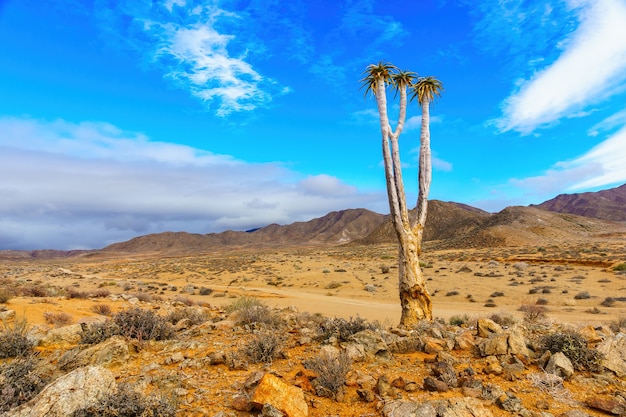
pixel 606 204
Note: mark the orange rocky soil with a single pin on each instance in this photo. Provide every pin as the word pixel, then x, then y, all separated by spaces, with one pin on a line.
pixel 206 369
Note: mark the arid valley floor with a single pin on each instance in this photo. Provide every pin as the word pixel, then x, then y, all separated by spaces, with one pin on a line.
pixel 573 283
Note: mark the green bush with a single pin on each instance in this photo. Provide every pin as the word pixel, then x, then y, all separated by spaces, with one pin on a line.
pixel 574 346
pixel 13 340
pixel 620 267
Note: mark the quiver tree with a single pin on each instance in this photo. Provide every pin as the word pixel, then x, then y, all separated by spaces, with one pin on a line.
pixel 414 297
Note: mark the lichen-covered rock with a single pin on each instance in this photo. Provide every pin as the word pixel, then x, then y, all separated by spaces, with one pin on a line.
pixel 77 390
pixel 560 365
pixel 487 327
pixel 614 352
pixel 286 398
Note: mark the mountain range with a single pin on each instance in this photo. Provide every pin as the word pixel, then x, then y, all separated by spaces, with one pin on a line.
pixel 566 217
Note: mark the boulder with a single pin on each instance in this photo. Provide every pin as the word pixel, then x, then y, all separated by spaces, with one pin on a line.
pixel 371 341
pixel 74 391
pixel 560 365
pixel 614 352
pixel 286 398
pixel 487 327
pixel 111 352
pixel 498 344
pixel 408 409
pixel 66 335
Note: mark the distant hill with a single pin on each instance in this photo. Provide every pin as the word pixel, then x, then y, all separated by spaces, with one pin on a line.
pixel 606 204
pixel 332 229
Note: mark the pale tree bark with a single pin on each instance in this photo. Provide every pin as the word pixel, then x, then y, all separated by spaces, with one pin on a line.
pixel 414 297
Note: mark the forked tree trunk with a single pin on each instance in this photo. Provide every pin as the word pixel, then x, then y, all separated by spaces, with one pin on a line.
pixel 414 297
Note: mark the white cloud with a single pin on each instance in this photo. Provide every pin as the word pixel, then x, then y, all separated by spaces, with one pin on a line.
pixel 591 68
pixel 441 165
pixel 603 165
pixel 53 197
pixel 415 122
pixel 184 42
pixel 611 122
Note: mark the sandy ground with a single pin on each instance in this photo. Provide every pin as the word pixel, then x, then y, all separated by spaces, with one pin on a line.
pixel 571 282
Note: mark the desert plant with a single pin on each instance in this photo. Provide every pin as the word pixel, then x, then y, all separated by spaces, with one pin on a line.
pixel 127 402
pixel 331 372
pixel 140 324
pixel 459 320
pixel 384 269
pixel 74 293
pixel 264 348
pixel 259 316
pixel 5 295
pixel 574 346
pixel 620 267
pixel 332 285
pixel 342 329
pixel 102 309
pixel 205 291
pixel 13 340
pixel 242 303
pixel 582 296
pixel 33 291
pixel 20 381
pixel 58 318
pixel 101 293
pixel 194 315
pixel 533 313
pixel 619 324
pixel 99 332
pixel 504 319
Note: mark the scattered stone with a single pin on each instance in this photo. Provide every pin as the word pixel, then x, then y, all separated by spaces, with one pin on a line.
pixel 433 384
pixel 372 342
pixel 366 395
pixel 112 352
pixel 66 335
pixel 443 371
pixel 615 406
pixel 384 388
pixel 495 345
pixel 574 413
pixel 408 409
pixel 509 402
pixel 241 402
pixel 493 366
pixel 7 315
pixel 464 341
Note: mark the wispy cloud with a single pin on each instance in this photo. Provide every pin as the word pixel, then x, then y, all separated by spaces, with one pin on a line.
pixel 603 165
pixel 198 48
pixel 84 185
pixel 616 120
pixel 591 68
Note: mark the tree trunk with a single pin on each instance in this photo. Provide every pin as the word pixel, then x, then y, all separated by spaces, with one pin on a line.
pixel 414 297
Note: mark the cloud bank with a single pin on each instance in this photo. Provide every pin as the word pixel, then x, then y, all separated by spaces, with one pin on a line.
pixel 70 185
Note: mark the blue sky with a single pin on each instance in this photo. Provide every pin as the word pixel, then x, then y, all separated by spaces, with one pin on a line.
pixel 123 118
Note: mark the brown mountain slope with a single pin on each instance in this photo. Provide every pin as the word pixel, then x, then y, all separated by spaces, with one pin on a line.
pixel 606 204
pixel 332 229
pixel 445 221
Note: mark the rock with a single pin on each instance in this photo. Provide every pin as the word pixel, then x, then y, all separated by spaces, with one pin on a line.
pixel 406 345
pixel 464 341
pixel 487 327
pixel 614 351
pixel 366 395
pixel 66 335
pixel 509 402
pixel 560 365
pixel 372 342
pixel 7 315
pixel 446 373
pixel 492 392
pixel 614 406
pixel 408 409
pixel 217 358
pixel 462 407
pixel 270 411
pixel 78 389
pixel 433 345
pixel 356 352
pixel 590 334
pixel 574 413
pixel 384 388
pixel 284 397
pixel 436 385
pixel 493 366
pixel 113 351
pixel 241 402
pixel 498 344
pixel 517 343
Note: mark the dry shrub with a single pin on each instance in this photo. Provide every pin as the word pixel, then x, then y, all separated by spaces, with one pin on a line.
pixel 33 291
pixel 99 332
pixel 13 340
pixel 5 295
pixel 504 319
pixel 58 318
pixel 331 372
pixel 102 309
pixel 185 300
pixel 127 402
pixel 242 303
pixel 20 381
pixel 194 315
pixel 140 324
pixel 342 329
pixel 264 348
pixel 101 293
pixel 74 293
pixel 574 346
pixel 533 313
pixel 142 296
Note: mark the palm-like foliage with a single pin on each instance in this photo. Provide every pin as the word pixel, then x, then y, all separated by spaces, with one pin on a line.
pixel 426 89
pixel 375 72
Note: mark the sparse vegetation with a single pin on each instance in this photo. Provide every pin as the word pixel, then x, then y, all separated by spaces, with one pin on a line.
pixel 193 315
pixel 331 372
pixel 5 295
pixel 141 324
pixel 574 346
pixel 620 267
pixel 127 402
pixel 13 340
pixel 58 318
pixel 102 309
pixel 20 381
pixel 99 332
pixel 342 329
pixel 264 348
